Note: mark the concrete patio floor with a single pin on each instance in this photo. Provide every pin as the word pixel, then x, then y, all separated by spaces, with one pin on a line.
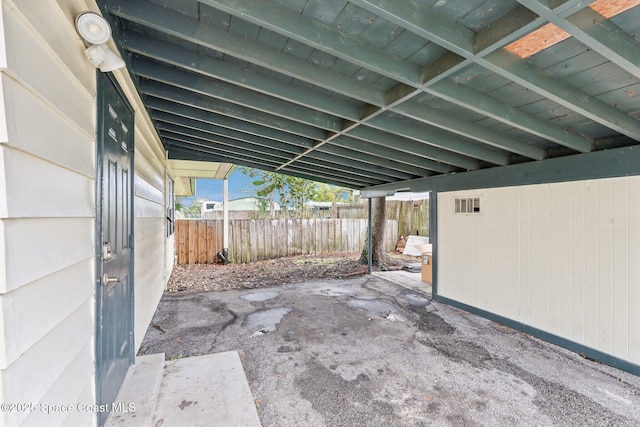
pixel 374 351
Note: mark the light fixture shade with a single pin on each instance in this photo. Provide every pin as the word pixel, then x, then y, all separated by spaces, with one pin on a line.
pixel 93 28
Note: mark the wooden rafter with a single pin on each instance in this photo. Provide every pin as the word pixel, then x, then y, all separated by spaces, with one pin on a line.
pixel 550 35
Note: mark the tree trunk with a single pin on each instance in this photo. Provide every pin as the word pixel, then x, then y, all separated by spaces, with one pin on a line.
pixel 380 257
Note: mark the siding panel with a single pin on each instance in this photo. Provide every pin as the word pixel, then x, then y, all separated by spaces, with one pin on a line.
pixel 578 263
pixel 633 302
pixel 560 253
pixel 41 305
pixel 37 370
pixel 58 86
pixel 54 137
pixel 605 265
pixel 58 243
pixel 620 254
pixel 37 188
pixel 565 259
pixel 65 392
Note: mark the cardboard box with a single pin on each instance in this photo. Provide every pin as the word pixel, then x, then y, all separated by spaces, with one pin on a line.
pixel 427 267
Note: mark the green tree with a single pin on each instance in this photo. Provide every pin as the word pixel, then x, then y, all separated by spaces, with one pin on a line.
pixel 194 209
pixel 293 192
pixel 269 185
pixel 332 193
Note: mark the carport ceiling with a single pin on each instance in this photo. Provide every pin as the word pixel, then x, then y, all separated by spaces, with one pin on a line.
pixel 375 93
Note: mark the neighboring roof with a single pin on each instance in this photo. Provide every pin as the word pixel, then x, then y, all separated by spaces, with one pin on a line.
pixel 408 195
pixel 385 94
pixel 185 172
pixel 184 186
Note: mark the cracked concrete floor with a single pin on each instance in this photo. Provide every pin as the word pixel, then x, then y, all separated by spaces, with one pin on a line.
pixel 367 352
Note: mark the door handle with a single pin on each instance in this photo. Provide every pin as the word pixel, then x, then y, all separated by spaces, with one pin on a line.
pixel 107 280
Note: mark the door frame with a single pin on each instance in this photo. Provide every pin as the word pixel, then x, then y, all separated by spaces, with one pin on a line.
pixel 103 79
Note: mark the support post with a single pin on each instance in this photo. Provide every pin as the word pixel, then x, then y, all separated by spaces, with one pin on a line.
pixel 369 239
pixel 225 218
pixel 433 239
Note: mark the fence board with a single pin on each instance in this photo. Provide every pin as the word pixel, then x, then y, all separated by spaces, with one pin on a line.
pixel 182 241
pixel 202 243
pixel 199 241
pixel 193 242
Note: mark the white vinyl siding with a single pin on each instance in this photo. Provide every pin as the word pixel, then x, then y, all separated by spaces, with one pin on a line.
pixel 559 257
pixel 47 217
pixel 47 211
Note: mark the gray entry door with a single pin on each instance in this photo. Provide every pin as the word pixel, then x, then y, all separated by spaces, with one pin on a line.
pixel 114 296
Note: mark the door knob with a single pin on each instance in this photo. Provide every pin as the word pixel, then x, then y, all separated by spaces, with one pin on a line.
pixel 106 279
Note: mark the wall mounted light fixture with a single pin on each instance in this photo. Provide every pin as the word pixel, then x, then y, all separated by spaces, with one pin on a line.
pixel 96 32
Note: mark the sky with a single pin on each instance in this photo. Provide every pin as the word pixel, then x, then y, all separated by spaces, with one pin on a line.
pixel 240 185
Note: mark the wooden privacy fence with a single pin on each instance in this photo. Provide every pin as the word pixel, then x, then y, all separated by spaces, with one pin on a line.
pixel 412 215
pixel 199 241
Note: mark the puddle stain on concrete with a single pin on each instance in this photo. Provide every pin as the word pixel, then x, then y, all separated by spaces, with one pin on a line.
pixel 266 320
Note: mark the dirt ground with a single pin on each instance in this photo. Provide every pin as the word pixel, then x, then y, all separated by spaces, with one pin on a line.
pixel 266 273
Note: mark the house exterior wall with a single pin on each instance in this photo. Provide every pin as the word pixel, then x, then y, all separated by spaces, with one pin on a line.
pixel 562 258
pixel 48 213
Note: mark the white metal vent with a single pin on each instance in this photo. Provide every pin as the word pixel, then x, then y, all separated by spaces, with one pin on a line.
pixel 467 205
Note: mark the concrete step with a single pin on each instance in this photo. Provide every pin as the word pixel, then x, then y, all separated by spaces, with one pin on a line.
pixel 194 391
pixel 204 391
pixel 140 389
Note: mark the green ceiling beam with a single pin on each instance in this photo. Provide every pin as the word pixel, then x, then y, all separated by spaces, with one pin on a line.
pixel 515 69
pixel 511 66
pixel 326 177
pixel 185 151
pixel 493 107
pixel 180 151
pixel 448 122
pixel 353 159
pixel 248 148
pixel 594 165
pixel 209 118
pixel 233 134
pixel 186 97
pixel 279 19
pixel 282 20
pixel 189 29
pixel 442 68
pixel 374 160
pixel 597 33
pixel 212 147
pixel 413 147
pixel 232 73
pixel 507 29
pixel 251 148
pixel 388 152
pixel 357 164
pixel 234 94
pixel 446 63
pixel 414 18
pixel 438 138
pixel 222 146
